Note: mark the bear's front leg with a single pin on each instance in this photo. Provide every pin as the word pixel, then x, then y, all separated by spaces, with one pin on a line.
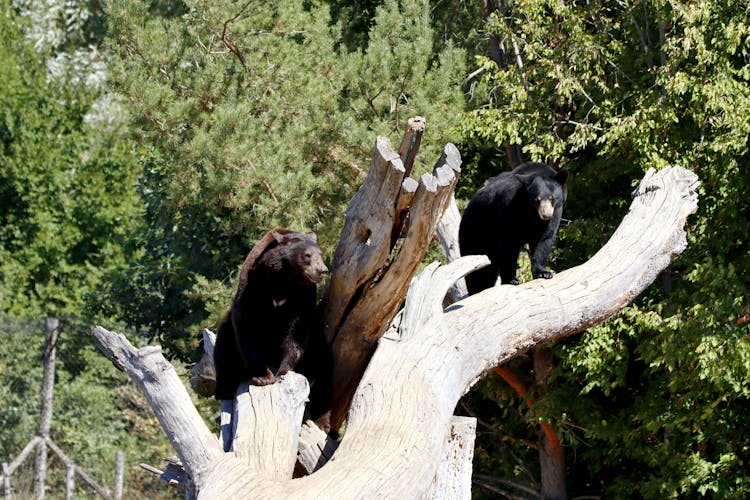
pixel 539 255
pixel 267 379
pixel 291 353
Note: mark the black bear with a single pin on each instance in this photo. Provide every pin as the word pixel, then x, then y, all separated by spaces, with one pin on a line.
pixel 523 206
pixel 271 318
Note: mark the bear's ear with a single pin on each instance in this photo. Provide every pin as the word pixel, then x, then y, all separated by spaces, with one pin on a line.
pixel 561 176
pixel 312 236
pixel 525 179
pixel 281 235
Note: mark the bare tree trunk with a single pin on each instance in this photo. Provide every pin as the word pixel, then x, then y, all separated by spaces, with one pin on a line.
pixel 552 452
pixel 6 480
pixel 51 326
pixel 196 446
pixel 402 408
pixel 70 482
pixel 119 474
pixel 447 233
pixel 453 477
pixel 370 273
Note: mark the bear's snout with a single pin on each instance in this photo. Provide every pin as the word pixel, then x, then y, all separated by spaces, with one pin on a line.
pixel 318 274
pixel 546 209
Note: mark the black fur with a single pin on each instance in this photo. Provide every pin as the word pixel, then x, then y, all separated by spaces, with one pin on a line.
pixel 506 214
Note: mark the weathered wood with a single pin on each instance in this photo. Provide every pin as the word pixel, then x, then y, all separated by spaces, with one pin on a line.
pixel 402 409
pixel 203 373
pixel 315 449
pixel 70 465
pixel 119 474
pixel 453 478
pixel 173 476
pixel 447 233
pixel 408 188
pixel 409 147
pixel 407 151
pixel 25 452
pixel 283 403
pixel 70 483
pixel 191 439
pixel 370 311
pixel 6 480
pixel 365 238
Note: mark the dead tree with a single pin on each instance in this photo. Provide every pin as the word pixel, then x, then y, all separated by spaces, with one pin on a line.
pixel 422 360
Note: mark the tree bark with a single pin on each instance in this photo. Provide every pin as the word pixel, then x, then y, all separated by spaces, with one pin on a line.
pixel 168 397
pixel 370 272
pixel 552 452
pixel 447 233
pixel 51 326
pixel 402 409
pixel 453 478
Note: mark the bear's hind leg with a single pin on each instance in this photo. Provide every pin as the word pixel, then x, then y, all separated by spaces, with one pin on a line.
pixel 481 279
pixel 509 265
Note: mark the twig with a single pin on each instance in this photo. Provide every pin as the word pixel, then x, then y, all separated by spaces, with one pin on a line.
pixel 495 489
pixel 508 482
pixel 233 48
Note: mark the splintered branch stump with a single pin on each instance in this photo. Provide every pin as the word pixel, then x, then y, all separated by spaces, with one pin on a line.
pixel 426 358
pixel 373 263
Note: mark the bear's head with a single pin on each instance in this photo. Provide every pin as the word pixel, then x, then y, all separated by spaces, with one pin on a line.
pixel 546 191
pixel 296 254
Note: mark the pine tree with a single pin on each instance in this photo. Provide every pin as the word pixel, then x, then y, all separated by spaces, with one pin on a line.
pixel 252 118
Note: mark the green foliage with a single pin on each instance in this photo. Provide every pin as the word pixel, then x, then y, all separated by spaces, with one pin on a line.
pixel 97 410
pixel 67 204
pixel 255 119
pixel 650 403
pixel 66 194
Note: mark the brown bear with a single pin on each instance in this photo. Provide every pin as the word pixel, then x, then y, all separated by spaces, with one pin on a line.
pixel 271 318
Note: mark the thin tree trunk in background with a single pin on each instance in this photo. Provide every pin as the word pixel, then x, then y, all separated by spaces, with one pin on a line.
pixel 119 474
pixel 552 452
pixel 513 152
pixel 51 326
pixel 70 482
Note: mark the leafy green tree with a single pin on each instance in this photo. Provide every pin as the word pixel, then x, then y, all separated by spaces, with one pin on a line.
pixel 66 187
pixel 67 204
pixel 650 403
pixel 252 117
